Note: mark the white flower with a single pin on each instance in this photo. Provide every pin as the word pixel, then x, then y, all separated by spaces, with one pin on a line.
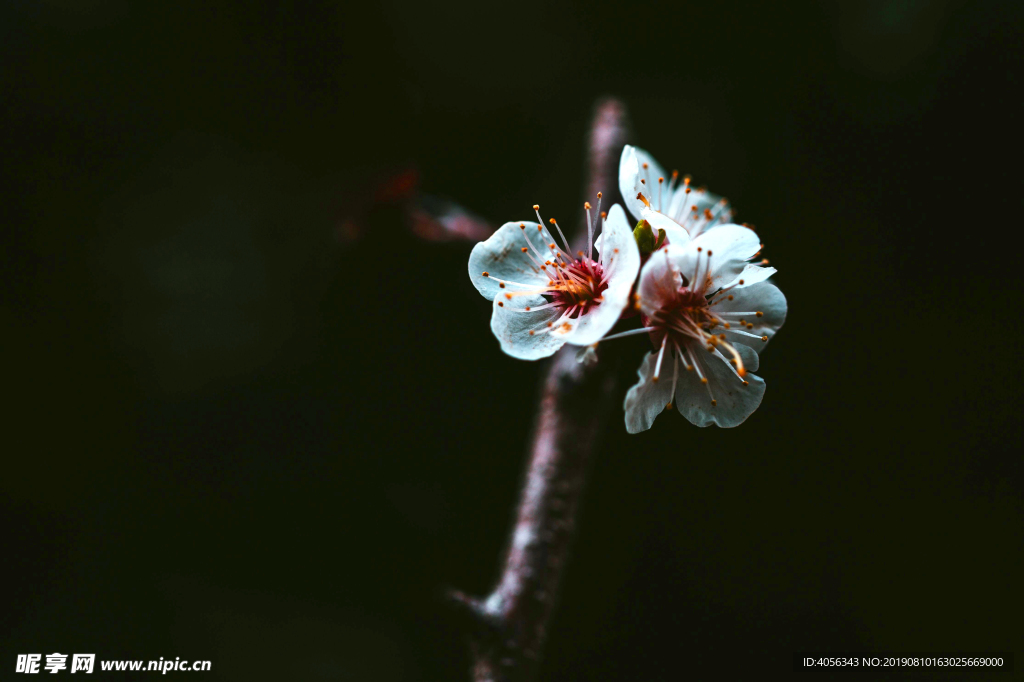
pixel 542 296
pixel 708 312
pixel 650 195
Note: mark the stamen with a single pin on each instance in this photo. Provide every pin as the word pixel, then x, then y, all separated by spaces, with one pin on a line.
pixel 685 359
pixel 590 230
pixel 661 354
pixel 693 360
pixel 740 370
pixel 753 336
pixel 696 271
pixel 686 198
pixel 672 182
pixel 503 282
pixel 540 227
pixel 734 370
pixel 531 308
pixel 722 291
pixel 539 260
pixel 704 380
pixel 564 240
pixel 675 377
pixel 631 332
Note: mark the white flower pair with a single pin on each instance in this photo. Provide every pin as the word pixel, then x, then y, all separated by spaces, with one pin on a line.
pixel 701 302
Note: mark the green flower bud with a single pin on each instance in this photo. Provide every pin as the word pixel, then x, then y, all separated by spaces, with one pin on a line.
pixel 645 240
pixel 644 236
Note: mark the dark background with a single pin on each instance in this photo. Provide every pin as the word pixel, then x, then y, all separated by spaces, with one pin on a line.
pixel 252 418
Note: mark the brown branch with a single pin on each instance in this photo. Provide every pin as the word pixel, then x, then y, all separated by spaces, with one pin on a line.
pixel 510 623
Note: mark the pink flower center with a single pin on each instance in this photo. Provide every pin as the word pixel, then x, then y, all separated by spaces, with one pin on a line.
pixel 682 317
pixel 579 286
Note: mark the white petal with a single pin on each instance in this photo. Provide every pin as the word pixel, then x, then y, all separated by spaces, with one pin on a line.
pixel 623 254
pixel 751 274
pixel 681 205
pixel 675 232
pixel 502 256
pixel 730 246
pixel 586 355
pixel 735 402
pixel 748 355
pixel 659 278
pixel 763 297
pixel 621 263
pixel 513 328
pixel 629 178
pixel 647 398
pixel 651 175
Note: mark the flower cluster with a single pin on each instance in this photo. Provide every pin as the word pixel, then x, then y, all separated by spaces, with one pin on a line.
pixel 707 310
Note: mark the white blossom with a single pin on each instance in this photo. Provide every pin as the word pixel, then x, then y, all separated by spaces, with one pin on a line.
pixel 666 203
pixel 708 313
pixel 544 297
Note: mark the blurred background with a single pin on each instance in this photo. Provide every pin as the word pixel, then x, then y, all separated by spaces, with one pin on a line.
pixel 252 392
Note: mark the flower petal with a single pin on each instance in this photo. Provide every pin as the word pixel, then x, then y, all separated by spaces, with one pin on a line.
pixel 629 178
pixel 647 398
pixel 735 402
pixel 586 355
pixel 675 232
pixel 763 297
pixel 730 246
pixel 751 274
pixel 659 278
pixel 502 256
pixel 681 208
pixel 651 175
pixel 621 263
pixel 749 356
pixel 513 328
pixel 623 256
